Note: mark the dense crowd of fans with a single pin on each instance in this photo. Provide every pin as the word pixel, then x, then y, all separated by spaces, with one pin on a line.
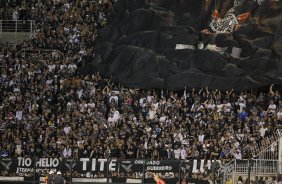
pixel 66 115
pixel 93 117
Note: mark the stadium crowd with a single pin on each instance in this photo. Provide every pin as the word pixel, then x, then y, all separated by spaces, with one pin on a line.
pixel 66 116
pixel 71 116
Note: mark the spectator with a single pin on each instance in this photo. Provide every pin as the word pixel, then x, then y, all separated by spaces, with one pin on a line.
pixel 240 180
pixel 58 179
pixel 49 178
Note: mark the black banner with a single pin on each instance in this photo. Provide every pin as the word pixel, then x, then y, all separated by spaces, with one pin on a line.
pixel 116 170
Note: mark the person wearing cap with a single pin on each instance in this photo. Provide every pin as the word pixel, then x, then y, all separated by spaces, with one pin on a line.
pixel 59 179
pixel 49 178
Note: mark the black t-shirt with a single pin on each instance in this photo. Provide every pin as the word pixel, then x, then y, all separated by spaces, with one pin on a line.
pixel 59 180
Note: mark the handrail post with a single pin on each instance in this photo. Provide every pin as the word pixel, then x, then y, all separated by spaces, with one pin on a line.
pixel 108 170
pixel 143 175
pixel 16 29
pixel 71 171
pixel 180 165
pixel 279 152
pixel 31 31
pixel 1 28
pixel 249 172
pixel 235 171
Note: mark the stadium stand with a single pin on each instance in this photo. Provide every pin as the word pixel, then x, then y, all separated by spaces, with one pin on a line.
pixel 49 110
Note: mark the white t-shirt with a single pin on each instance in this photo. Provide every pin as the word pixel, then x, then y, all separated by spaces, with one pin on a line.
pixel 183 154
pixel 227 106
pixel 162 119
pixel 67 130
pixel 279 115
pixel 72 67
pixel 111 120
pixel 149 98
pixel 19 115
pixel 51 68
pixel 262 131
pixel 238 156
pixel 211 106
pixel 242 104
pixel 62 67
pixel 152 114
pixel 177 153
pixel 49 81
pixel 141 102
pixel 91 105
pixel 116 116
pixel 15 15
pixel 272 107
pixel 79 93
pixel 83 107
pixel 201 138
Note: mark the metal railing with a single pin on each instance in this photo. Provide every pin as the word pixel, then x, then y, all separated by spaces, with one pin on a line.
pixel 40 54
pixel 258 167
pixel 265 143
pixel 17 25
pixel 279 132
pixel 265 161
pixel 16 29
pixel 269 153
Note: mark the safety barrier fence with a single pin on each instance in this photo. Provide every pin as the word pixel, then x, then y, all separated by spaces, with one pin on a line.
pixel 265 161
pixel 254 167
pixel 17 25
pixel 39 54
pixel 12 30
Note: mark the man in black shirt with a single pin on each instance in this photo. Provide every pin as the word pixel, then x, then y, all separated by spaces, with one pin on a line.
pixel 58 179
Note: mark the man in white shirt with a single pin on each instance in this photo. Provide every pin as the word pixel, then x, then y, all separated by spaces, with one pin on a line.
pixel 67 129
pixel 142 102
pixel 152 113
pixel 272 107
pixel 116 114
pixel 51 67
pixel 15 15
pixel 279 114
pixel 201 138
pixel 210 104
pixel 111 119
pixel 79 93
pixel 262 131
pixel 149 97
pixel 183 153
pixel 91 105
pixel 241 103
pixel 227 106
pixel 72 67
pixel 238 155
